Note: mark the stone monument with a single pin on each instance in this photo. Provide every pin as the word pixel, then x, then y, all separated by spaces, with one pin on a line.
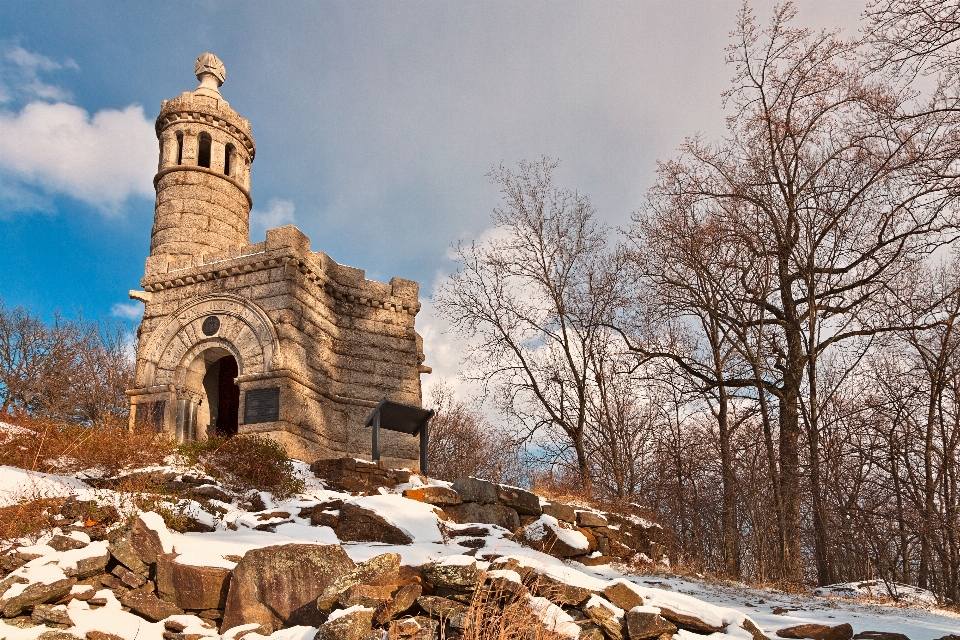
pixel 268 338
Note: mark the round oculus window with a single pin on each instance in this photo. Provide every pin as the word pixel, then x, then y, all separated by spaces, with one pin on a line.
pixel 211 325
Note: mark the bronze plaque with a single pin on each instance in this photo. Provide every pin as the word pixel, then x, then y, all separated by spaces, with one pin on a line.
pixel 261 405
pixel 211 324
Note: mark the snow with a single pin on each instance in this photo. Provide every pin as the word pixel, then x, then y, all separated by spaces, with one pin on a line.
pixel 458 561
pixel 416 519
pixel 339 613
pixel 506 574
pixel 879 590
pixel 571 537
pixel 16 484
pixel 554 618
pixel 154 522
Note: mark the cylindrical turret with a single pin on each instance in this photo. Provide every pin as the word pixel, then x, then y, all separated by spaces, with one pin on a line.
pixel 203 182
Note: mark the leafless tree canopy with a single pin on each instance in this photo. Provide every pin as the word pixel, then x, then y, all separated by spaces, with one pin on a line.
pixel 768 359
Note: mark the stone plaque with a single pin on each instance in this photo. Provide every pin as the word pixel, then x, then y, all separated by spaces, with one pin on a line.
pixel 211 325
pixel 261 405
pixel 151 413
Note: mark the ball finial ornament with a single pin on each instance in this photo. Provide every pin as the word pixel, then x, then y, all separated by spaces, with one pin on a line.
pixel 209 64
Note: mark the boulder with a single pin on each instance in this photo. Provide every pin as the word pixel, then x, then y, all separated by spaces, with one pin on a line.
pixel 560 511
pixel 89 566
pixel 475 490
pixel 523 502
pixel 442 608
pixel 102 635
pixel 693 623
pixel 379 571
pixel 128 578
pixel 325 519
pixel 557 538
pixel 51 614
pixel 402 601
pixel 191 587
pixel 123 551
pixel 418 628
pixel 590 519
pixel 459 573
pixel 438 496
pixel 642 625
pixel 475 512
pixel 356 524
pixel 818 632
pixel 278 586
pixel 145 542
pixel 65 543
pixel 751 627
pixel 605 615
pixel 365 595
pixel 883 635
pixel 37 593
pixel 559 592
pixel 149 606
pixel 350 624
pixel 590 631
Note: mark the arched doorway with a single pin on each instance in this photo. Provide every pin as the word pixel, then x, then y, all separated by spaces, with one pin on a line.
pixel 210 407
pixel 224 402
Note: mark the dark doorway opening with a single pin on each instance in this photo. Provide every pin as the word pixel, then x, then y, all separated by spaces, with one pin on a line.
pixel 228 397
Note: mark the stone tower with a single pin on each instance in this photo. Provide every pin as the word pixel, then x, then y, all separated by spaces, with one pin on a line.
pixel 271 337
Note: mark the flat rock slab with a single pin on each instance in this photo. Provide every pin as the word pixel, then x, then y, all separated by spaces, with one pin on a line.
pixel 191 587
pixel 693 623
pixel 278 586
pixel 379 571
pixel 402 600
pixel 559 592
pixel 590 519
pixel 818 632
pixel 356 524
pixel 475 490
pixel 523 502
pixel 35 594
pixel 350 626
pixel 642 625
pixel 479 513
pixel 437 496
pixel 560 511
pixel 149 606
pixel 880 635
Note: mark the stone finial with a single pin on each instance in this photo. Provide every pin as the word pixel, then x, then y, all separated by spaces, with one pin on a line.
pixel 208 68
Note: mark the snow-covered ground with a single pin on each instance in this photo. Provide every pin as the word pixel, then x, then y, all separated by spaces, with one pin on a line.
pixel 432 541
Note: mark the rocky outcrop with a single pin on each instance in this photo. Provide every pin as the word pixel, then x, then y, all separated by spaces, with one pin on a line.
pixel 357 476
pixel 279 586
pixel 192 587
pixel 643 625
pixel 818 632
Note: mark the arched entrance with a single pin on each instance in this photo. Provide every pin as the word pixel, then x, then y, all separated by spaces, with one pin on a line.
pixel 210 404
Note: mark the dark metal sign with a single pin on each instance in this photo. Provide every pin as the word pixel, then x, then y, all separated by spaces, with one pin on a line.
pixel 261 405
pixel 211 325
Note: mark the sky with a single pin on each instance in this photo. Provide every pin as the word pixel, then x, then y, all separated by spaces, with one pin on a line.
pixel 375 123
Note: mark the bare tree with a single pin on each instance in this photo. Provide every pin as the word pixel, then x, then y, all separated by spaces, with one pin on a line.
pixel 533 299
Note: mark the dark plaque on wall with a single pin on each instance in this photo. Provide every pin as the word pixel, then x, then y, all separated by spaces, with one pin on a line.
pixel 261 405
pixel 211 324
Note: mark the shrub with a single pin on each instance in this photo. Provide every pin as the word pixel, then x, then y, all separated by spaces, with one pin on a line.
pixel 246 463
pixel 29 517
pixel 496 615
pixel 52 446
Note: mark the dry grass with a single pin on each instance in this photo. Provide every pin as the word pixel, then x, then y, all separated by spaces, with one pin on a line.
pixel 29 517
pixel 55 447
pixel 497 615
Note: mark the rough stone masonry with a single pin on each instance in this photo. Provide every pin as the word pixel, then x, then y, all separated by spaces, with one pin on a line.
pixel 269 338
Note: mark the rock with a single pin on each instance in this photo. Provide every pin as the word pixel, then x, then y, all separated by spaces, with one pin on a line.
pixel 14 560
pixel 324 519
pixel 642 625
pixel 37 593
pixel 475 512
pixel 101 635
pixel 557 538
pixel 90 566
pixel 149 606
pixel 418 628
pixel 173 625
pixel 560 511
pixel 438 496
pixel 380 571
pixel 402 601
pixel 53 614
pixel 886 635
pixel 751 627
pixel 348 626
pixel 127 577
pixel 278 586
pixel 454 574
pixel 818 632
pixel 523 502
pixel 590 519
pixel 590 631
pixel 145 542
pixel 65 543
pixel 475 490
pixel 56 635
pixel 442 608
pixel 123 551
pixel 693 623
pixel 357 524
pixel 191 587
pixel 365 595
pixel 606 616
pixel 525 572
pixel 560 593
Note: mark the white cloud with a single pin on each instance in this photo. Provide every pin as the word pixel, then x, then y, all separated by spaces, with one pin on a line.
pixel 20 75
pixel 127 310
pixel 279 213
pixel 101 160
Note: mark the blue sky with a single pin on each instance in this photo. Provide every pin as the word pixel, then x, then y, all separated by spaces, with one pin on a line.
pixel 375 122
